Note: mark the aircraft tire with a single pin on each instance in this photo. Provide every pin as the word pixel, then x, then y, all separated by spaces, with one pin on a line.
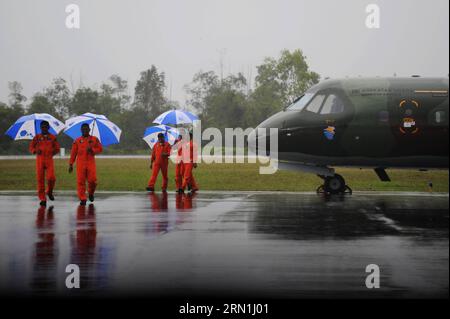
pixel 335 184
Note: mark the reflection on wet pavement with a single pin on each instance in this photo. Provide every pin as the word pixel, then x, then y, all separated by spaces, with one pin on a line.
pixel 235 244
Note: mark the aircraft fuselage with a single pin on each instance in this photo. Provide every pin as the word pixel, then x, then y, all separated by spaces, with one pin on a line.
pixel 367 122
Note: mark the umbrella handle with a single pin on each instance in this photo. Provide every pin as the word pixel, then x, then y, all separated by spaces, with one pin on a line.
pixel 93 126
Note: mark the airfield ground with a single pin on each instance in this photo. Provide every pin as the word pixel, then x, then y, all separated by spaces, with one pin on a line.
pixel 133 174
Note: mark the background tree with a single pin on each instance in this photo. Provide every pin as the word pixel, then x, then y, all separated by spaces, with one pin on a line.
pixel 8 115
pixel 58 94
pixel 149 92
pixel 41 104
pixel 16 98
pixel 120 91
pixel 201 85
pixel 84 100
pixel 219 101
pixel 279 83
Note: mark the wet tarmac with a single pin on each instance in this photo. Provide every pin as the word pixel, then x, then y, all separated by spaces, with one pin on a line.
pixel 280 245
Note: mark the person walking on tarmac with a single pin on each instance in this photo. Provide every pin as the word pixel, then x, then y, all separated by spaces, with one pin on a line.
pixel 84 150
pixel 179 167
pixel 160 161
pixel 45 146
pixel 189 157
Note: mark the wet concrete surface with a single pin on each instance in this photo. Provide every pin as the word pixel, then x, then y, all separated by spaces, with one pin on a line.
pixel 280 245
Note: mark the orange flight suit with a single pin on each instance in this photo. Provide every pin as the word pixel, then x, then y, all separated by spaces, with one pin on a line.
pixel 189 156
pixel 85 163
pixel 160 162
pixel 179 167
pixel 44 146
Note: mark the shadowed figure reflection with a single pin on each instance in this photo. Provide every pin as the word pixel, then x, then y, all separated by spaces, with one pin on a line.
pixel 44 261
pixel 84 244
pixel 159 222
pixel 314 217
pixel 184 202
pixel 159 202
pixel 162 219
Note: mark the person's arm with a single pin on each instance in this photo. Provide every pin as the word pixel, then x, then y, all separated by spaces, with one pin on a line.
pixel 73 156
pixel 194 155
pixel 56 147
pixel 167 151
pixel 153 155
pixel 177 145
pixel 33 145
pixel 96 147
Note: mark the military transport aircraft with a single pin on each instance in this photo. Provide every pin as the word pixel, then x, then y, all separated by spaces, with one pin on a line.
pixel 364 122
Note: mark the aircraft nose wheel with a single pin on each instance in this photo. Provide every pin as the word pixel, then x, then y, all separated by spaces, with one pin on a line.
pixel 334 185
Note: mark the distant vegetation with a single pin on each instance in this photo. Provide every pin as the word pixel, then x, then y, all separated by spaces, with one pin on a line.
pixel 220 102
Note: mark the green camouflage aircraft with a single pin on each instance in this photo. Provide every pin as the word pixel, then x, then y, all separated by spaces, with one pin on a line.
pixel 364 122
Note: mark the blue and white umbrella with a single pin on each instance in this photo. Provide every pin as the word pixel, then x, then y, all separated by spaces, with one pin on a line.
pixel 106 131
pixel 26 127
pixel 176 117
pixel 151 134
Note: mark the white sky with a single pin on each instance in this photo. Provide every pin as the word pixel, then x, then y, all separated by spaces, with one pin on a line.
pixel 182 37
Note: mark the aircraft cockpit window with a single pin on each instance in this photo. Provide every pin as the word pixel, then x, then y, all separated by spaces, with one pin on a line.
pixel 316 103
pixel 301 102
pixel 333 105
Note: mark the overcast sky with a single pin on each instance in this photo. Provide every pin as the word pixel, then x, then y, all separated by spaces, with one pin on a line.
pixel 182 37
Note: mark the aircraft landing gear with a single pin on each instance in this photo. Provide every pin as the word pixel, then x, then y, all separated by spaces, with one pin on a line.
pixel 334 185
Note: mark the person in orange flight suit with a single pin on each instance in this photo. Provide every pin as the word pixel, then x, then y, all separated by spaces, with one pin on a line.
pixel 45 146
pixel 189 157
pixel 160 161
pixel 84 150
pixel 179 167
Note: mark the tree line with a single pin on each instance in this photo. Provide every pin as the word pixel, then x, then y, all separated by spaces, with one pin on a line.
pixel 219 101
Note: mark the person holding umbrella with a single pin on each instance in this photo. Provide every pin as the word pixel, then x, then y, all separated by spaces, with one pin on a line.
pixel 189 158
pixel 84 149
pixel 182 143
pixel 90 132
pixel 185 158
pixel 42 129
pixel 45 146
pixel 159 161
pixel 179 167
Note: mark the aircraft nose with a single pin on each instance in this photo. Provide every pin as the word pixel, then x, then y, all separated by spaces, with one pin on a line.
pixel 262 131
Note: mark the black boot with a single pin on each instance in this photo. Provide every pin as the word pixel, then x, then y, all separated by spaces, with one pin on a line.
pixel 150 189
pixel 91 197
pixel 83 203
pixel 43 203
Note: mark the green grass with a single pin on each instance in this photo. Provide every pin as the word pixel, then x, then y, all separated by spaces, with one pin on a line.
pixel 133 175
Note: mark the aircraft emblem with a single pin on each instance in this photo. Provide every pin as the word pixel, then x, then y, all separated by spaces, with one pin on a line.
pixel 329 132
pixel 409 126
